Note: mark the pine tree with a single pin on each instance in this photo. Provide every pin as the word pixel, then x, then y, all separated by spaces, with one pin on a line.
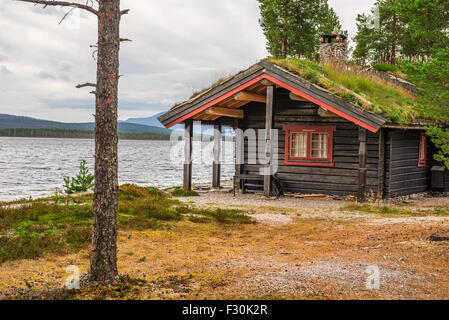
pixel 103 262
pixel 293 27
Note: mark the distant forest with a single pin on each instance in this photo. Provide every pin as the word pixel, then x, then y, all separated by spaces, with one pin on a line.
pixel 88 134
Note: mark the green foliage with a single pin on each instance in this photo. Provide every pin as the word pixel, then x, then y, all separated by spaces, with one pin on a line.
pixel 390 210
pixel 378 34
pixel 293 27
pixel 36 228
pixel 180 192
pixel 426 23
pixel 384 67
pixel 31 229
pixel 407 29
pixel 81 183
pixel 440 137
pixel 433 80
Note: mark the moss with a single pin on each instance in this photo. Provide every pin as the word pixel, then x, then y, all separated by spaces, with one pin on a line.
pixel 180 192
pixel 215 84
pixel 32 229
pixel 358 87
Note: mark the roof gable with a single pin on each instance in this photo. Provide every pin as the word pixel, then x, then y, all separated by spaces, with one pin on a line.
pixel 281 77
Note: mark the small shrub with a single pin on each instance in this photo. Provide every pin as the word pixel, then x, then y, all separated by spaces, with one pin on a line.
pixel 227 216
pixel 384 67
pixel 179 192
pixel 81 183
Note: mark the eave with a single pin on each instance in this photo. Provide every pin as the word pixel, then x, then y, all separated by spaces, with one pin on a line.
pixel 266 71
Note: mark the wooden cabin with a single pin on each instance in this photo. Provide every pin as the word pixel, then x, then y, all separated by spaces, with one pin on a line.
pixel 324 145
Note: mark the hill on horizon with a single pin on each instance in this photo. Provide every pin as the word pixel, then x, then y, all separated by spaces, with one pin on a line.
pixel 152 121
pixel 15 122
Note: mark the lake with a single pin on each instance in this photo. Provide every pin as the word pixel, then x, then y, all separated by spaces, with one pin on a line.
pixel 37 166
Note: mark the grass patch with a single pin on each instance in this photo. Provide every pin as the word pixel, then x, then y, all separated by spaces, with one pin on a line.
pixel 62 225
pixel 384 67
pixel 395 210
pixel 358 87
pixel 34 229
pixel 180 192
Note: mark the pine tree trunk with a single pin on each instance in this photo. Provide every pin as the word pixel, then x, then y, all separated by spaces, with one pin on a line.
pixel 103 262
pixel 284 39
pixel 393 45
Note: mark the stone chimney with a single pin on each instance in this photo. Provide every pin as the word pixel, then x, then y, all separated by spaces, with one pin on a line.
pixel 333 47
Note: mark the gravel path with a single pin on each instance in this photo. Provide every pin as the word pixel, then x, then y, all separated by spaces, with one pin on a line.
pixel 282 211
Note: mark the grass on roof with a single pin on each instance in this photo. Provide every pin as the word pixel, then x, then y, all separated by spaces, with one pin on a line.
pixel 358 87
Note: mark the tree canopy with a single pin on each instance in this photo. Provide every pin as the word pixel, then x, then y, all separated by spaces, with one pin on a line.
pixel 402 29
pixel 433 80
pixel 293 27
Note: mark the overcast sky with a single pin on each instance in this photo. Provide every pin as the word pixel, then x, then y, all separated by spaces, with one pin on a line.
pixel 178 47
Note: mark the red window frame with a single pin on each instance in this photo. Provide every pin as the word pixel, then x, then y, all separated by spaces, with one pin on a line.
pixel 422 153
pixel 309 161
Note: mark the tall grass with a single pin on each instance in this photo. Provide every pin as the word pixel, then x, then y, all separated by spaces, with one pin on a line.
pixel 357 86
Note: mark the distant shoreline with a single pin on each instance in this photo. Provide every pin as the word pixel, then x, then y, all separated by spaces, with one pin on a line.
pixel 76 134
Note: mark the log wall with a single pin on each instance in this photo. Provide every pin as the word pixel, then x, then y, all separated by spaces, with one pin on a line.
pixel 403 175
pixel 342 179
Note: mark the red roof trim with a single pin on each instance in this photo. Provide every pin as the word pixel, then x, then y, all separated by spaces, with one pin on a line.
pixel 213 102
pixel 282 84
pixel 321 104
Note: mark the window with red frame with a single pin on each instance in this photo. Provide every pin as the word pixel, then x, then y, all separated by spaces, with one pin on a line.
pixel 422 158
pixel 309 146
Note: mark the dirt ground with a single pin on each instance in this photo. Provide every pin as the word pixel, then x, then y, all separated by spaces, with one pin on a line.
pixel 298 249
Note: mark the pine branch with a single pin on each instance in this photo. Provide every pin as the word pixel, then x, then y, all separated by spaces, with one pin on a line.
pixel 63 4
pixel 87 84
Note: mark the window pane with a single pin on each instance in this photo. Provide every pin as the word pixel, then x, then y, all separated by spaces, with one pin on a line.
pixel 298 147
pixel 319 145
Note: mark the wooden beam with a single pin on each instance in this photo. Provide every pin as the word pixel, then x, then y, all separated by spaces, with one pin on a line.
pixel 325 113
pixel 249 96
pixel 295 97
pixel 363 171
pixel 188 137
pixel 266 82
pixel 225 112
pixel 216 166
pixel 268 151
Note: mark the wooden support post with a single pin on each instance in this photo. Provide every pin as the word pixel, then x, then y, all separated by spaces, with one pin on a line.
pixel 268 151
pixel 381 165
pixel 188 136
pixel 217 152
pixel 363 153
pixel 238 150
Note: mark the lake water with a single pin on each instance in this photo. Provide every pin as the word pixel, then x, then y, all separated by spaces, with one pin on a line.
pixel 37 166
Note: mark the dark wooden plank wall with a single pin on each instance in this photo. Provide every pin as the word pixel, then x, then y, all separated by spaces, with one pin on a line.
pixel 403 176
pixel 339 180
pixel 446 187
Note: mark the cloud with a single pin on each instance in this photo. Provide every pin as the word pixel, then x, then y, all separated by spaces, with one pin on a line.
pixel 177 47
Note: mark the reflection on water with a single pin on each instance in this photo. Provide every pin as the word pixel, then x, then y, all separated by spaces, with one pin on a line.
pixel 36 166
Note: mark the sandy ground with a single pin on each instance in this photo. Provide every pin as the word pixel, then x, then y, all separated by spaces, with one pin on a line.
pixel 298 249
